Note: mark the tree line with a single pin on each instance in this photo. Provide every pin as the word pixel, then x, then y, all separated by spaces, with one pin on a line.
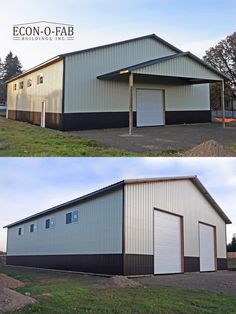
pixel 223 58
pixel 10 67
pixel 231 247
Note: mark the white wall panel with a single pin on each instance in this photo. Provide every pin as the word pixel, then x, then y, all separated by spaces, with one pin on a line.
pixel 180 197
pixel 31 98
pixel 181 97
pixel 180 67
pixel 85 93
pixel 99 230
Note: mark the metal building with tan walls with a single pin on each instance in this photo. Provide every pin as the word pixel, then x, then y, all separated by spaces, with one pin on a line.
pixel 133 227
pixel 143 81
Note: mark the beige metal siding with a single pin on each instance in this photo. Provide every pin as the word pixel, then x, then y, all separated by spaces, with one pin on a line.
pixel 85 93
pixel 31 98
pixel 181 97
pixel 99 230
pixel 179 197
pixel 180 67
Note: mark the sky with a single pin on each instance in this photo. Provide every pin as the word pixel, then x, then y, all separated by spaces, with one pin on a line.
pixel 194 25
pixel 30 185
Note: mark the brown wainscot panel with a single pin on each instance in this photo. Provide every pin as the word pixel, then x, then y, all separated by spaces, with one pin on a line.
pixel 222 264
pixel 137 264
pixel 111 264
pixel 191 264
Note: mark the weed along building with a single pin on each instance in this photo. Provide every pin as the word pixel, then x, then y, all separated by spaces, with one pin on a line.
pixel 133 227
pixel 139 82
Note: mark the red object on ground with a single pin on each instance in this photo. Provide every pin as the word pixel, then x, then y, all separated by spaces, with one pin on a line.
pixel 226 120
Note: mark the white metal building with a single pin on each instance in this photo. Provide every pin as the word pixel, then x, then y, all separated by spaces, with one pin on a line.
pixel 143 81
pixel 144 226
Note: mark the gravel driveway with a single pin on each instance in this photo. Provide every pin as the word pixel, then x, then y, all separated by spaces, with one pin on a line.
pixel 219 282
pixel 159 139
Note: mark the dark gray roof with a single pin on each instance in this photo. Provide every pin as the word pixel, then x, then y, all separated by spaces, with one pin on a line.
pixel 120 185
pixel 137 66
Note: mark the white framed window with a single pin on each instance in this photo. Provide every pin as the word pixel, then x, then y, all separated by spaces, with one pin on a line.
pixel 72 217
pixel 20 231
pixel 32 227
pixel 49 223
pixel 21 85
pixel 75 216
pixel 69 218
pixel 40 78
pixel 14 86
pixel 29 82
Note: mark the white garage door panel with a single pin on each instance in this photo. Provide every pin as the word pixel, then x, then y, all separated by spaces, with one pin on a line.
pixel 207 248
pixel 167 243
pixel 150 109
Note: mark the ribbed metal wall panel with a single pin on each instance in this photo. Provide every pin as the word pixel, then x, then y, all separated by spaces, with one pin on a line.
pixel 31 98
pixel 181 97
pixel 179 197
pixel 99 230
pixel 180 67
pixel 85 93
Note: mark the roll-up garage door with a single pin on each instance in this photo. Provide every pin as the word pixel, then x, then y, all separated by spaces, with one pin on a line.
pixel 150 107
pixel 207 247
pixel 167 243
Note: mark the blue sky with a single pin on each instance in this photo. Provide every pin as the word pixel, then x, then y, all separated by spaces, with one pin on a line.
pixel 29 185
pixel 190 25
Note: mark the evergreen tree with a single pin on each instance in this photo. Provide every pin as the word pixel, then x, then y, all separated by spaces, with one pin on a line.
pixel 231 247
pixel 10 68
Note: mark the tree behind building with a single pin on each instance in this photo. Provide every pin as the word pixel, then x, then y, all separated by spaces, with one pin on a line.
pixel 8 69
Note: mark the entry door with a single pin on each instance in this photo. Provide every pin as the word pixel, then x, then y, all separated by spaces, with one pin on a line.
pixel 207 247
pixel 43 113
pixel 150 107
pixel 167 243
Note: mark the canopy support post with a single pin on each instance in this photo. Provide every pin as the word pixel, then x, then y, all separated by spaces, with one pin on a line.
pixel 131 84
pixel 223 102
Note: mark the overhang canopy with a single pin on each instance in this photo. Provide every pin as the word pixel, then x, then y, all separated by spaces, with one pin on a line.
pixel 182 66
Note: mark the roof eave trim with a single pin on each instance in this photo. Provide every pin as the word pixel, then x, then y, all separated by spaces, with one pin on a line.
pixel 78 200
pixel 37 67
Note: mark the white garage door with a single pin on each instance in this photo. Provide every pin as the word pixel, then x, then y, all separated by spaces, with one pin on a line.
pixel 150 108
pixel 207 248
pixel 167 243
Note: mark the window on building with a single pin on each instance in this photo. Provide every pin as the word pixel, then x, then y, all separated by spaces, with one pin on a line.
pixel 32 228
pixel 29 82
pixel 69 218
pixel 49 223
pixel 75 216
pixel 40 79
pixel 20 231
pixel 72 217
pixel 21 85
pixel 14 86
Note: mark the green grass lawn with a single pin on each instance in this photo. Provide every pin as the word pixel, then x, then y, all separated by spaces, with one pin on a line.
pixel 72 293
pixel 232 147
pixel 19 139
